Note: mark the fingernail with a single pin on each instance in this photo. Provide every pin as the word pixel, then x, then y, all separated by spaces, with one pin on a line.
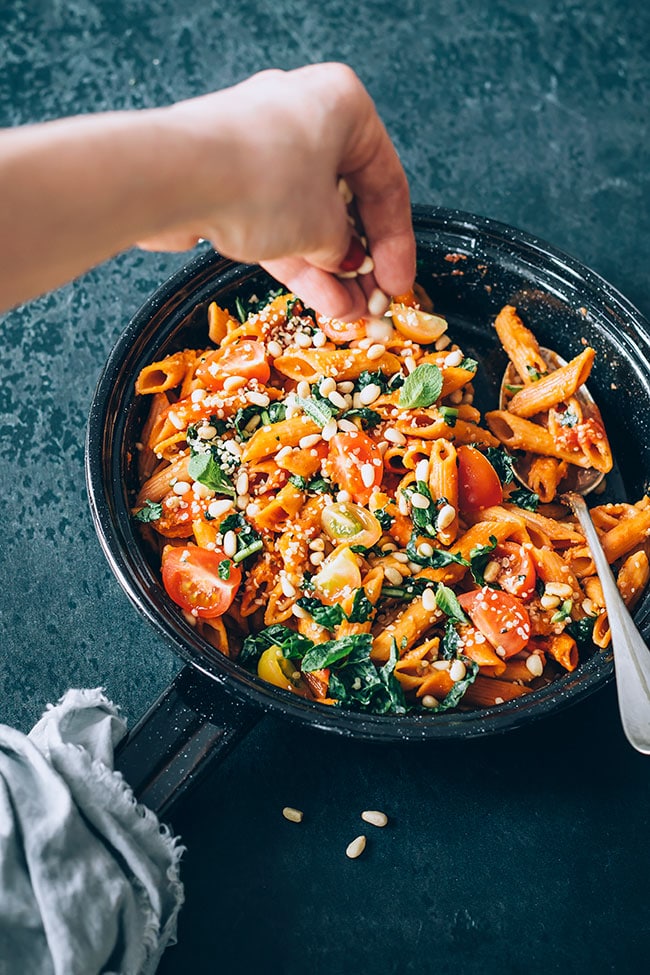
pixel 355 256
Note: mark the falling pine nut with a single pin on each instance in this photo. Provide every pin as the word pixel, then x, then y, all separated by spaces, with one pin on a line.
pixel 356 847
pixel 374 817
pixel 293 815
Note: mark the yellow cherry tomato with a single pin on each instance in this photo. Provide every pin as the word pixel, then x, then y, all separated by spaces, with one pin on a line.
pixel 339 575
pixel 274 667
pixel 351 523
pixel 417 325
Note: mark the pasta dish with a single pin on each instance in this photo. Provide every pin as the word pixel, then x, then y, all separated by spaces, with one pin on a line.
pixel 330 509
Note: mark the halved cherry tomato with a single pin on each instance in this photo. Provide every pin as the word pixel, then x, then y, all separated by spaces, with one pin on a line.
pixel 352 457
pixel 342 331
pixel 351 523
pixel 478 482
pixel 246 359
pixel 502 618
pixel 517 570
pixel 191 577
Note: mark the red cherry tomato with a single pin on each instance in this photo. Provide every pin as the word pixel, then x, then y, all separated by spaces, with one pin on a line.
pixel 341 331
pixel 478 482
pixel 191 578
pixel 246 359
pixel 353 458
pixel 517 570
pixel 502 618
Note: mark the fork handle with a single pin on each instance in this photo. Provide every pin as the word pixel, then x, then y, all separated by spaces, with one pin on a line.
pixel 631 654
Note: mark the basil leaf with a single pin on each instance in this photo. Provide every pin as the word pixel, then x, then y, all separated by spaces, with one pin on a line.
pixel 248 540
pixel 369 418
pixel 502 462
pixel 224 569
pixel 391 683
pixel 582 632
pixel 384 519
pixel 471 365
pixel 362 609
pixel 568 418
pixel 151 511
pixel 438 560
pixel 327 616
pixel 320 485
pixel 371 378
pixel 563 613
pixel 319 410
pixel 422 518
pixel 448 603
pixel 478 558
pixel 457 692
pixel 422 387
pixel 242 314
pixel 449 415
pixel 291 644
pixel 450 642
pixel 524 499
pixel 322 655
pixel 205 469
pixel 298 481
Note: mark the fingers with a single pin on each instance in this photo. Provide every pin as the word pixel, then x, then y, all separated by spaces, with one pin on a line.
pixel 319 289
pixel 171 240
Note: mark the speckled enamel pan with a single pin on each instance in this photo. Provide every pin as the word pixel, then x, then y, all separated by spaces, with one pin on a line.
pixel 471 267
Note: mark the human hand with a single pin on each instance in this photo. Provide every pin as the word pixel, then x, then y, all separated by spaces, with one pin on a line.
pixel 265 159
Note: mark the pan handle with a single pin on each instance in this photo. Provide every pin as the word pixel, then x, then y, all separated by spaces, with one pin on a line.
pixel 192 726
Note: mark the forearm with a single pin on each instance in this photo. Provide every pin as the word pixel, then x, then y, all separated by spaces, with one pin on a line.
pixel 80 190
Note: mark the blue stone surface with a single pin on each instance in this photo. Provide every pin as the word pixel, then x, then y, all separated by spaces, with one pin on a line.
pixel 521 854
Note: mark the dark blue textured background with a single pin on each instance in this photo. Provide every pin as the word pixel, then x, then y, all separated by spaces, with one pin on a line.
pixel 521 854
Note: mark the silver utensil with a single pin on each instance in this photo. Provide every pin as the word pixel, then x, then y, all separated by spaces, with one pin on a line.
pixel 631 655
pixel 580 479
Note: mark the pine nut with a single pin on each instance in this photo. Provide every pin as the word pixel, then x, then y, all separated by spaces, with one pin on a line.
pixel 425 550
pixel 327 386
pixel 356 847
pixel 410 363
pixel 241 484
pixel 422 470
pixel 329 430
pixel 442 343
pixel 316 558
pixel 535 664
pixel 457 671
pixel 287 587
pixel 419 501
pixel 346 386
pixel 456 397
pixel 218 508
pixel 345 191
pixel 303 340
pixel 453 359
pixel 347 426
pixel 336 399
pixel 274 349
pixel 395 436
pixel 393 575
pixel 368 474
pixel 343 496
pixel 233 382
pixel 293 815
pixel 446 516
pixel 181 487
pixel 229 544
pixel 319 340
pixel 367 265
pixel 176 420
pixel 258 399
pixel 198 394
pixel 550 602
pixel 378 303
pixel 429 600
pixel 589 607
pixel 369 394
pixel 491 571
pixel 303 389
pixel 429 701
pixel 376 351
pixel 401 557
pixel 207 432
pixel 560 589
pixel 309 441
pixel 374 817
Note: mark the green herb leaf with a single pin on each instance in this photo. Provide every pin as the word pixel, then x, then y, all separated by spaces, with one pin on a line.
pixel 395 690
pixel 438 560
pixel 320 485
pixel 449 415
pixel 151 511
pixel 224 569
pixel 422 387
pixel 457 692
pixel 524 499
pixel 292 644
pixel 502 462
pixel 362 609
pixel 369 418
pixel 322 655
pixel 450 642
pixel 568 418
pixel 478 558
pixel 448 603
pixel 242 314
pixel 471 365
pixel 327 616
pixel 582 632
pixel 384 518
pixel 320 411
pixel 248 540
pixel 298 481
pixel 205 469
pixel 563 613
